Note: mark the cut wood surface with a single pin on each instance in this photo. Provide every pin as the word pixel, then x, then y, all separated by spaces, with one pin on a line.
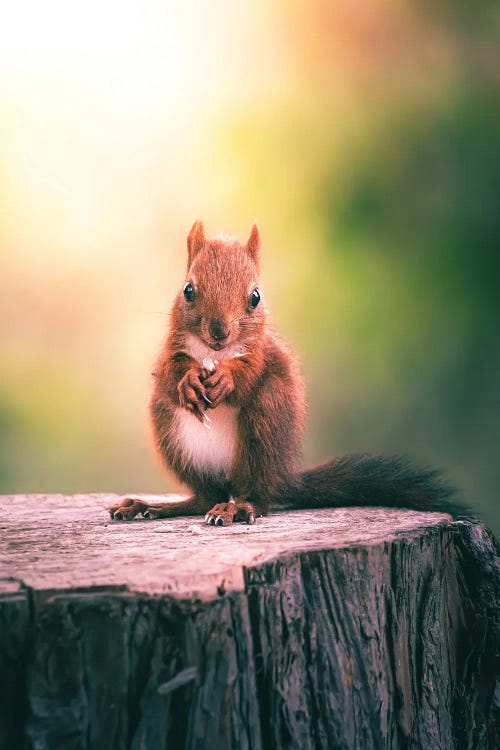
pixel 64 542
pixel 348 628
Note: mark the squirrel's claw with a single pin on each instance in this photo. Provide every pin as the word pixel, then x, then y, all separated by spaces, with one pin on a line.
pixel 127 509
pixel 224 514
pixel 150 514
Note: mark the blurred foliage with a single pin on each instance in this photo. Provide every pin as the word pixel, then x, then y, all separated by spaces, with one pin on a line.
pixel 419 221
pixel 367 145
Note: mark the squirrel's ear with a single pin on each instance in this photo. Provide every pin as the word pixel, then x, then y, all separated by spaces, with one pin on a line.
pixel 195 241
pixel 253 244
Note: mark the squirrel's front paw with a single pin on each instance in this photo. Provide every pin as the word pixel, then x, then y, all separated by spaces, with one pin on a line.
pixel 219 385
pixel 192 393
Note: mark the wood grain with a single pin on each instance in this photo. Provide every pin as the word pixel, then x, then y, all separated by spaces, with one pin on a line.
pixel 348 628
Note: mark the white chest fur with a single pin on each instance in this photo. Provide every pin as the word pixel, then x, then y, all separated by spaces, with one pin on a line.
pixel 213 449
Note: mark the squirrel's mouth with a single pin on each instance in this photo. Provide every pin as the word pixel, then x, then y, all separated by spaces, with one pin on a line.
pixel 218 346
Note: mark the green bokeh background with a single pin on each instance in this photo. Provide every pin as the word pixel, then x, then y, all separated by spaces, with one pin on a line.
pixel 365 141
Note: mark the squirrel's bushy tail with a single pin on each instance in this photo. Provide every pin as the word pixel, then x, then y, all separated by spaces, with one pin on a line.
pixel 361 480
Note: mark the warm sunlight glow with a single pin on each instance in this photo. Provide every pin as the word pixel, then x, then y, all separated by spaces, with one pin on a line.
pixel 107 105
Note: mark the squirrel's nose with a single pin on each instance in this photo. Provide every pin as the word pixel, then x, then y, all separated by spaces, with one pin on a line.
pixel 217 330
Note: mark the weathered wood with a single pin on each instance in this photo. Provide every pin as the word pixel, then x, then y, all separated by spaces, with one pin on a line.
pixel 348 628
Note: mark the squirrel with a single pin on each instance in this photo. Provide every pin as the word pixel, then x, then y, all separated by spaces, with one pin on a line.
pixel 228 409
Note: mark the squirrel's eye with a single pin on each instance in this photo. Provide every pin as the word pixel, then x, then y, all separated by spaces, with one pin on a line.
pixel 188 292
pixel 254 298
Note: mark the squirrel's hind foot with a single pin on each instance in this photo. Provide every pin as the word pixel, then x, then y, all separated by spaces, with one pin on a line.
pixel 224 514
pixel 128 509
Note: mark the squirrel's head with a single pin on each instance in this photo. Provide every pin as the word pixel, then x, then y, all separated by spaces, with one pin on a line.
pixel 220 301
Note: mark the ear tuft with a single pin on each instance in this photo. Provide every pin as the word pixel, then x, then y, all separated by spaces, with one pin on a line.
pixel 195 241
pixel 253 244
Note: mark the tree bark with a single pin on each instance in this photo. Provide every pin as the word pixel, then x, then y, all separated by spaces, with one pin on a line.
pixel 349 628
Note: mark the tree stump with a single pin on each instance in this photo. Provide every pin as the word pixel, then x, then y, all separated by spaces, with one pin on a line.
pixel 351 628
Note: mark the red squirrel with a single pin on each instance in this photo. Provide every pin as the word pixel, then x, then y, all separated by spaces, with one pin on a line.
pixel 228 408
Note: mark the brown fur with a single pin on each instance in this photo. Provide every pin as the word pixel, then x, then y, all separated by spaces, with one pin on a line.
pixel 259 384
pixel 266 387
